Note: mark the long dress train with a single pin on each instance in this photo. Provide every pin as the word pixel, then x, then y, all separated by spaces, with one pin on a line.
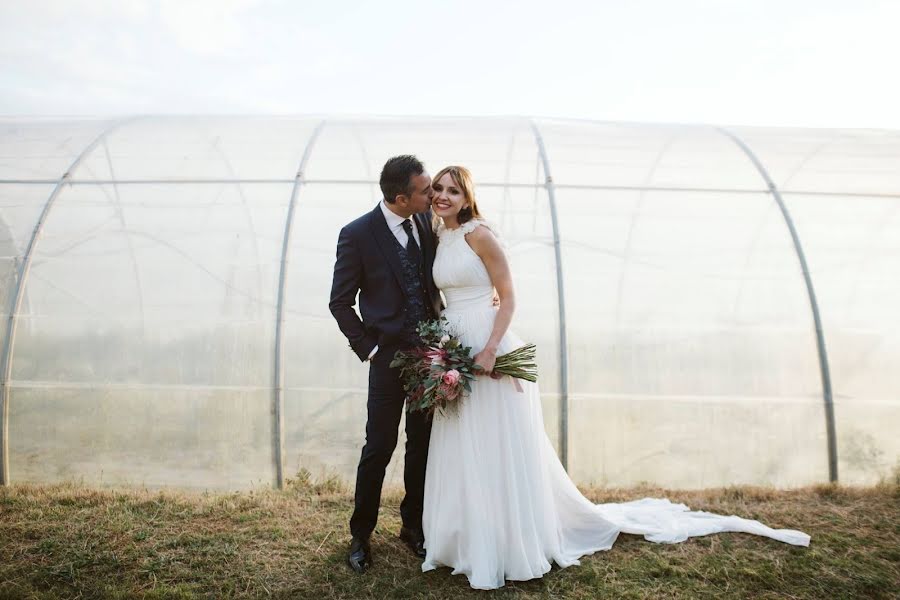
pixel 498 503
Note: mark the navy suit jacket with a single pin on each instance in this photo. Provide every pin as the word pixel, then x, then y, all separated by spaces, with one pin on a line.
pixel 368 264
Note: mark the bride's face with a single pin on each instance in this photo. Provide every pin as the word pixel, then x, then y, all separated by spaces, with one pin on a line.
pixel 448 197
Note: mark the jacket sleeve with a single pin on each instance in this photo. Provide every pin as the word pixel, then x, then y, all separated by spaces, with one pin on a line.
pixel 345 285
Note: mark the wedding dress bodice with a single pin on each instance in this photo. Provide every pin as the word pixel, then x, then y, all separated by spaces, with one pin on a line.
pixel 459 273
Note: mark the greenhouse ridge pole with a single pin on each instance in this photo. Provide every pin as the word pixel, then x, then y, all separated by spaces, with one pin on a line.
pixel 278 397
pixel 561 301
pixel 820 337
pixel 6 372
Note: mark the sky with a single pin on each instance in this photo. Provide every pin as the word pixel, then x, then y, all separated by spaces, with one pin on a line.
pixel 821 63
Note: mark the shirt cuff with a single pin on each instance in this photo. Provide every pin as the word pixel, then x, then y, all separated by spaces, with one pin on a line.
pixel 372 353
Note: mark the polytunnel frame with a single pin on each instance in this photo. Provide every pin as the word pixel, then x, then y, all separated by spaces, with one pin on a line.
pixel 278 399
pixel 298 181
pixel 22 277
pixel 824 370
pixel 561 303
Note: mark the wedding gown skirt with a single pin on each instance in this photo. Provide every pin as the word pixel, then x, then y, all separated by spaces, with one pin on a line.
pixel 498 504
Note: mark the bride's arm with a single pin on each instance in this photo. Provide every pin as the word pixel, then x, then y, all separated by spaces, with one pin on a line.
pixel 488 248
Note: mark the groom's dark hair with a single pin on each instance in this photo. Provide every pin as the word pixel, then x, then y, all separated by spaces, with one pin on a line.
pixel 397 174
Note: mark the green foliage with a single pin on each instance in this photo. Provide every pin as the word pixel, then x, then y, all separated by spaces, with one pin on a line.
pixel 439 375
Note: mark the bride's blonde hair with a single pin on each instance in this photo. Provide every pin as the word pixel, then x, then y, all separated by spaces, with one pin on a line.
pixel 463 180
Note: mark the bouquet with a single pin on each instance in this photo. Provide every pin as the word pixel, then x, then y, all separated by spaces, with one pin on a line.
pixel 439 375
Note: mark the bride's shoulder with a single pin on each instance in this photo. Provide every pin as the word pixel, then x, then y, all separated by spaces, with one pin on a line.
pixel 479 229
pixel 473 225
pixel 482 227
pixel 482 236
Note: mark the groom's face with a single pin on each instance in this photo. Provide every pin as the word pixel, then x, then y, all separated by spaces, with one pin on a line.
pixel 419 200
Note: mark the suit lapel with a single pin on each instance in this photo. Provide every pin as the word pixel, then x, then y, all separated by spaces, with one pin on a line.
pixel 387 243
pixel 424 236
pixel 423 223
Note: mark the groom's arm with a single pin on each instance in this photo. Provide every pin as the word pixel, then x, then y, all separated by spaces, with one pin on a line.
pixel 345 285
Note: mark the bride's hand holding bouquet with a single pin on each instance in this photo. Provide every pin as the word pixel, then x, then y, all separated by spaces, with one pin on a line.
pixel 439 375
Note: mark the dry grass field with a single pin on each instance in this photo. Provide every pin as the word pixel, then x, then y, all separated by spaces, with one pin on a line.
pixel 68 541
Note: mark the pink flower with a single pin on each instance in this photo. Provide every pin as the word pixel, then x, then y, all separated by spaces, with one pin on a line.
pixel 451 377
pixel 437 356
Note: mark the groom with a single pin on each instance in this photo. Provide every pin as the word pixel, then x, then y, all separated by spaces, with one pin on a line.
pixel 386 256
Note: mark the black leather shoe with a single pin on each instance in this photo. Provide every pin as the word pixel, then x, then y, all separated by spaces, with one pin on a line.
pixel 414 540
pixel 360 557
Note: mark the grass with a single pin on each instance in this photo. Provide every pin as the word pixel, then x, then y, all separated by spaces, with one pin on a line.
pixel 67 541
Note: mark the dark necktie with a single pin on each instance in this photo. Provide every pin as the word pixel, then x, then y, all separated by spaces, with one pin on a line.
pixel 412 248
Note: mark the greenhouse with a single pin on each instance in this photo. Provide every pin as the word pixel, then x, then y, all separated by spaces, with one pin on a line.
pixel 712 306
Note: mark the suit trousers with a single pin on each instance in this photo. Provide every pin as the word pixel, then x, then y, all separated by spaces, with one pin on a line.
pixel 385 408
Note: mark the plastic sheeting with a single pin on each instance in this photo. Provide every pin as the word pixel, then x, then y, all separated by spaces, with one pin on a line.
pixel 145 341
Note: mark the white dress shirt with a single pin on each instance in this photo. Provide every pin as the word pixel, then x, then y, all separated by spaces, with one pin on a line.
pixel 395 224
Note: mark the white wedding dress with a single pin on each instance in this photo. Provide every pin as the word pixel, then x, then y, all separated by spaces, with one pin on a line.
pixel 498 503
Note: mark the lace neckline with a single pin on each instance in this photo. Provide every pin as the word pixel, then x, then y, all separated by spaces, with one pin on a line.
pixel 468 227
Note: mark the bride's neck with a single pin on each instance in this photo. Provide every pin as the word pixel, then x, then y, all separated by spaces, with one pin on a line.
pixel 450 222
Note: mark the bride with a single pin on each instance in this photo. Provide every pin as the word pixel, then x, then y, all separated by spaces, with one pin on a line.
pixel 498 504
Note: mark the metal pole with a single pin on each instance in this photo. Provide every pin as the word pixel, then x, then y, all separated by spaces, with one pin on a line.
pixel 561 301
pixel 817 321
pixel 21 280
pixel 278 399
pixel 117 201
